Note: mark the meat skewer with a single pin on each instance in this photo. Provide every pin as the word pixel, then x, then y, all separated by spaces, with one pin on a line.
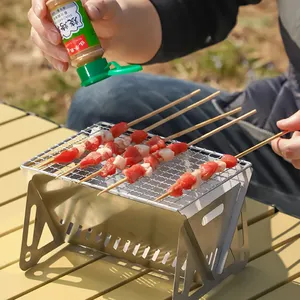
pixel 91 142
pixel 192 180
pixel 157 143
pixel 137 171
pixel 138 136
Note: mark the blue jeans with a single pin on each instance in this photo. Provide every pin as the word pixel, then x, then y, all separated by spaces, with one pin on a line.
pixel 125 98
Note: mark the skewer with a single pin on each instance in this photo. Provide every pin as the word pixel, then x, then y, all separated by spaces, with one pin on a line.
pixel 191 143
pixel 182 111
pixel 246 152
pixel 157 111
pixel 171 137
pixel 135 122
pixel 202 124
pixel 201 138
pixel 238 156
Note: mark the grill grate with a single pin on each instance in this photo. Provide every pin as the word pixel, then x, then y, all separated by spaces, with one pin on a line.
pixel 148 188
pixel 194 237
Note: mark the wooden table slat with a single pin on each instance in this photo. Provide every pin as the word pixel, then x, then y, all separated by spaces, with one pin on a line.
pixel 8 113
pixel 86 281
pixel 65 261
pixel 289 291
pixel 13 157
pixel 12 186
pixel 260 274
pixel 257 210
pixel 84 275
pixel 22 129
pixel 95 272
pixel 272 231
pixel 12 216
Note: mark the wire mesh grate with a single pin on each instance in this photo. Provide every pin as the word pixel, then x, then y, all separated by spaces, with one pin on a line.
pixel 146 189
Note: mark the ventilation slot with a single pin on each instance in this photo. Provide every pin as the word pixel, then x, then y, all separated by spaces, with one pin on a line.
pixel 88 233
pixel 166 257
pixel 98 237
pixel 126 246
pixel 69 229
pixel 146 252
pixel 155 255
pixel 136 249
pixel 116 244
pixel 108 237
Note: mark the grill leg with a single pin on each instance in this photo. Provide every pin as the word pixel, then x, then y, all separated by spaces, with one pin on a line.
pixel 32 253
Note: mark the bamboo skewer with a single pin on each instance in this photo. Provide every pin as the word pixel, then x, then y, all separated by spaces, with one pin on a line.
pixel 255 147
pixel 238 156
pixel 191 143
pixel 201 138
pixel 157 111
pixel 182 111
pixel 202 124
pixel 135 122
pixel 176 135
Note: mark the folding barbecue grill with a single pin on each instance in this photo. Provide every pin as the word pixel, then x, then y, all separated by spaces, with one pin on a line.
pixel 200 238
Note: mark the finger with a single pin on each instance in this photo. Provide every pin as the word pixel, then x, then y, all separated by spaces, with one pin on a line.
pixel 44 28
pixel 39 8
pixel 58 52
pixel 292 123
pixel 276 147
pixel 296 134
pixel 58 65
pixel 101 9
pixel 288 148
pixel 296 163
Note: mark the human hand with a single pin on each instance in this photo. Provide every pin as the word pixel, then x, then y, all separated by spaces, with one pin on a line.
pixel 289 148
pixel 129 30
pixel 102 13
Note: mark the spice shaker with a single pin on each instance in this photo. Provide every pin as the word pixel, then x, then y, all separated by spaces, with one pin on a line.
pixel 82 44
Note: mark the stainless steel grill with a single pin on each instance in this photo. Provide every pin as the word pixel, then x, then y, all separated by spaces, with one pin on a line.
pixel 194 234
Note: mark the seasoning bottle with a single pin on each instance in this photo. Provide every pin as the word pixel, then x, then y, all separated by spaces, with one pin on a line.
pixel 81 42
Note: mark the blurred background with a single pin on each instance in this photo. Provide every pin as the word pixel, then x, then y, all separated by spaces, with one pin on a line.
pixel 253 50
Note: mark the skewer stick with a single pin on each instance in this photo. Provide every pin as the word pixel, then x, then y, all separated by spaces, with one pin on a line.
pixel 157 111
pixel 191 143
pixel 246 152
pixel 238 156
pixel 202 124
pixel 68 171
pixel 165 195
pixel 113 186
pixel 201 138
pixel 182 111
pixel 171 137
pixel 90 176
pixel 149 115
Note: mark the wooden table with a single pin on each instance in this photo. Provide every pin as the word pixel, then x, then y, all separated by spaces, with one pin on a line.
pixel 273 272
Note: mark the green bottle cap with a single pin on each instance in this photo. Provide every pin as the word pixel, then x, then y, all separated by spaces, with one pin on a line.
pixel 99 69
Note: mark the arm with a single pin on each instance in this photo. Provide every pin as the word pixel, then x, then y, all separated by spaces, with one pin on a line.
pixel 162 30
pixel 142 31
pixel 191 25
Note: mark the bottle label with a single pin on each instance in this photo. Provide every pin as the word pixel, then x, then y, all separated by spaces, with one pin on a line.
pixel 75 27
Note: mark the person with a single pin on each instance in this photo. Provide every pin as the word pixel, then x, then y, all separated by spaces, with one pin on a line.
pixel 154 31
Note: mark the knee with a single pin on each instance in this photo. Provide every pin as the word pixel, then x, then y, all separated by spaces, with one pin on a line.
pixel 111 100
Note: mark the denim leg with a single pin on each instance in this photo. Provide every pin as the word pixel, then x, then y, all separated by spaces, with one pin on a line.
pixel 125 98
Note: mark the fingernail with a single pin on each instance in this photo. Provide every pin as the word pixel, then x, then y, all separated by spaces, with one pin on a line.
pixel 54 37
pixel 93 10
pixel 38 9
pixel 60 67
pixel 64 57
